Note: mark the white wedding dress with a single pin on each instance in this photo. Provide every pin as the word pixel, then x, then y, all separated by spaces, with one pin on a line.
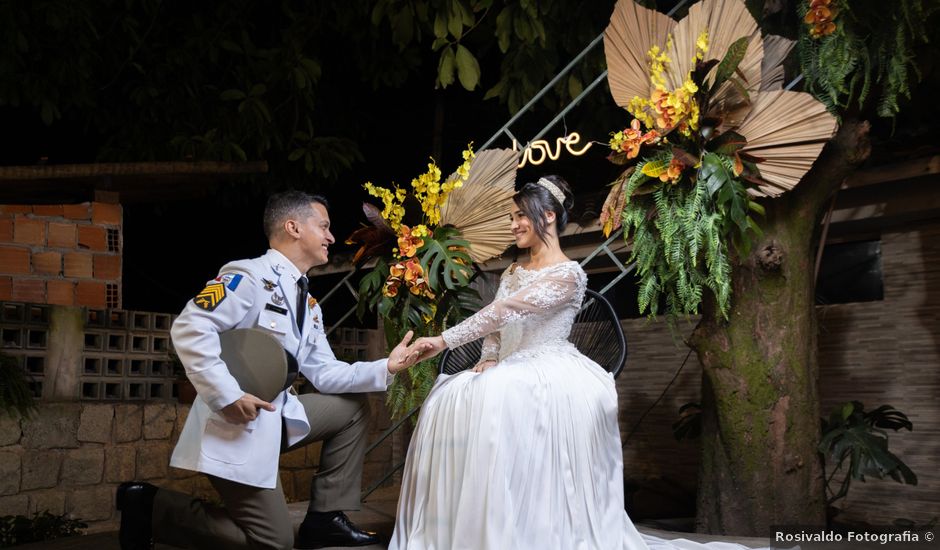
pixel 525 455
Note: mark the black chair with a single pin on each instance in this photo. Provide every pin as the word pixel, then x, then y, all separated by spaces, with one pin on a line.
pixel 596 333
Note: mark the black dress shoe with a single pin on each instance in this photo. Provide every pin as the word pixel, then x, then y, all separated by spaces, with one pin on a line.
pixel 321 529
pixel 135 502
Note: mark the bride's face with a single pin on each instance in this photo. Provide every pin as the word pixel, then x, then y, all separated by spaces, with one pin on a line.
pixel 521 227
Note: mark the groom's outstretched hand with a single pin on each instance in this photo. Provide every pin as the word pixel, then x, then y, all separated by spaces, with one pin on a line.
pixel 403 356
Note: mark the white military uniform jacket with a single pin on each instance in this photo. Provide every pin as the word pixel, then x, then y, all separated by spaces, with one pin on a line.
pixel 261 293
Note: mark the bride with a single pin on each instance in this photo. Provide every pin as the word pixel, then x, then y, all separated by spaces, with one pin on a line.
pixel 522 451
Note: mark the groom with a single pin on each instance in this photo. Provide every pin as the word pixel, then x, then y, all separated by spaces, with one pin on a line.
pixel 234 437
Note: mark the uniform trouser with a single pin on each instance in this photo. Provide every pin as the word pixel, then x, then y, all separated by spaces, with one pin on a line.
pixel 255 518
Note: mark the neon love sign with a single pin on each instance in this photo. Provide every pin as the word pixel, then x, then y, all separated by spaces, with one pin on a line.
pixel 544 148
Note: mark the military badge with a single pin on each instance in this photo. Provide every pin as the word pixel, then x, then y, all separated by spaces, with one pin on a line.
pixel 311 302
pixel 210 297
pixel 268 285
pixel 277 299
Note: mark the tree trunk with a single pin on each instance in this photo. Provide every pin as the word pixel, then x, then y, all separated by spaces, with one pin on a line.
pixel 760 406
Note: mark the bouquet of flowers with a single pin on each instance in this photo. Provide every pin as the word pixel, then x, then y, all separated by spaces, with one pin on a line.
pixel 709 136
pixel 422 273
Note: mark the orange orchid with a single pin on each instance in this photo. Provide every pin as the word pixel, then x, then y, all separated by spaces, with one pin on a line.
pixel 820 16
pixel 673 172
pixel 396 273
pixel 390 288
pixel 665 113
pixel 631 139
pixel 408 243
pixel 413 272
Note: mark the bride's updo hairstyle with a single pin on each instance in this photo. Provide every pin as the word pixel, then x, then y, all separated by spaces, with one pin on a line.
pixel 548 194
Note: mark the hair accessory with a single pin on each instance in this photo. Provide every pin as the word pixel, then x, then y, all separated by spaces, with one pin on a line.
pixel 553 189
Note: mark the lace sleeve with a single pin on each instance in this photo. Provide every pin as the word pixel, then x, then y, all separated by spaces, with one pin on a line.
pixel 490 351
pixel 550 290
pixel 492 341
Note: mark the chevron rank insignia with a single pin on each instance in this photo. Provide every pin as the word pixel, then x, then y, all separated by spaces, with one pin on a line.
pixel 210 297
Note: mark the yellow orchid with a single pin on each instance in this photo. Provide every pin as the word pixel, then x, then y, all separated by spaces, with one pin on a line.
pixel 432 194
pixel 420 231
pixel 392 211
pixel 665 110
pixel 701 45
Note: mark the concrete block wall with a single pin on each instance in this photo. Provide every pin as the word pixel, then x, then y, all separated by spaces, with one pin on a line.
pixel 94 354
pixel 65 254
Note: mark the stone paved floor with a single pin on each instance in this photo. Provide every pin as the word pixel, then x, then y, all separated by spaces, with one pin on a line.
pixel 377 514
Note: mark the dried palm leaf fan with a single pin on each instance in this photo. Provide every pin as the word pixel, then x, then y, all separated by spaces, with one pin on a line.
pixel 776 50
pixel 726 21
pixel 480 207
pixel 632 30
pixel 786 130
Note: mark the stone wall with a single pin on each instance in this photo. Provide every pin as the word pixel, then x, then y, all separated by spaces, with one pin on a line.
pixel 68 458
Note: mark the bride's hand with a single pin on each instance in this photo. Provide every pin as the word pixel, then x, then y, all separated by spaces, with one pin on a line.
pixel 428 346
pixel 483 365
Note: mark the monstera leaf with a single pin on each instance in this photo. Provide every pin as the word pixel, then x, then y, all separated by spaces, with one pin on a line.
pixel 445 260
pixel 854 436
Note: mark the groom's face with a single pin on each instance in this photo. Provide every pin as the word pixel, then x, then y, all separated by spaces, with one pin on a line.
pixel 316 235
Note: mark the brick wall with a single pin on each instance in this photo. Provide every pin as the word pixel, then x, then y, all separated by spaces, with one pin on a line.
pixel 61 254
pixel 885 352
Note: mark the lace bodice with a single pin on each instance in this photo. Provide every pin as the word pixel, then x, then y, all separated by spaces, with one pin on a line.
pixel 532 309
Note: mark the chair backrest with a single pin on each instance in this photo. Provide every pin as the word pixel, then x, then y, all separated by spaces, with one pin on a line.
pixel 596 333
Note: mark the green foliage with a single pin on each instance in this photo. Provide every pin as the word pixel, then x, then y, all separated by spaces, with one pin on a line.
pixel 729 63
pixel 16 397
pixel 410 388
pixel 686 202
pixel 16 530
pixel 444 259
pixel 855 440
pixel 532 39
pixel 872 50
pixel 681 234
